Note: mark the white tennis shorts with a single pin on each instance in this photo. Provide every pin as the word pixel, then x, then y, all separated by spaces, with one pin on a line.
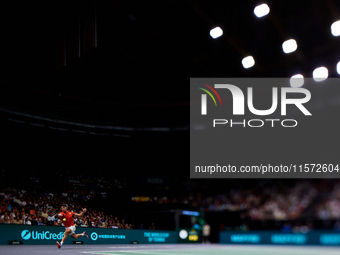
pixel 73 229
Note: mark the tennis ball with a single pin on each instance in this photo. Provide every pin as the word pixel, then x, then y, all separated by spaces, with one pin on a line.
pixel 64 219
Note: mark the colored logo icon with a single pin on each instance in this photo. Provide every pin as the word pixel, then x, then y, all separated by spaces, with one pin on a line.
pixel 94 236
pixel 25 234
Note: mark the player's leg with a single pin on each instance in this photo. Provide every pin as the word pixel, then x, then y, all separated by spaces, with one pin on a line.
pixel 76 236
pixel 67 232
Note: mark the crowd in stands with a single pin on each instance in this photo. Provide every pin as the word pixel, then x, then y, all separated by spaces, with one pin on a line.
pixel 329 208
pixel 285 204
pixel 262 200
pixel 265 200
pixel 275 201
pixel 20 206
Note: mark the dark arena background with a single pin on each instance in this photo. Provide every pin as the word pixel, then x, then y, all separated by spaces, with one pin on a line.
pixel 94 113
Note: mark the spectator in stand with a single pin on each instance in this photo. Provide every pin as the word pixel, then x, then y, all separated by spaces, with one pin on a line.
pixel 85 223
pixel 18 219
pixel 123 224
pixel 27 219
pixel 40 222
pixel 8 218
pixel 34 220
pixel 152 226
pixel 44 215
pixel 51 218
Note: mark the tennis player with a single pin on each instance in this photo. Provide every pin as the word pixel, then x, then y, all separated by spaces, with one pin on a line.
pixel 67 219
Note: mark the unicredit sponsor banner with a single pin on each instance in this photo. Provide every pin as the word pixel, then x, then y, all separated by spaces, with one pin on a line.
pixel 280 238
pixel 51 234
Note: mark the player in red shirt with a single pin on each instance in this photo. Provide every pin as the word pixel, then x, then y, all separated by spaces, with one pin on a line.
pixel 67 219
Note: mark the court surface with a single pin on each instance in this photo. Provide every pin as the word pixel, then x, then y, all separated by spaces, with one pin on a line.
pixel 198 249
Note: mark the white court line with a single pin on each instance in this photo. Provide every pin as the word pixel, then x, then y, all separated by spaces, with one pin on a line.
pixel 165 252
pixel 333 253
pixel 154 253
pixel 144 247
pixel 99 252
pixel 124 247
pixel 132 251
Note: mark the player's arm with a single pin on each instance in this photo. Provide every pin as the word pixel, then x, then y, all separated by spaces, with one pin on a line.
pixel 60 215
pixel 80 214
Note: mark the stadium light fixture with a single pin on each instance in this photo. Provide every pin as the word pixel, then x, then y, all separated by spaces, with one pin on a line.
pixel 248 62
pixel 261 10
pixel 216 32
pixel 297 81
pixel 289 46
pixel 335 28
pixel 338 67
pixel 320 74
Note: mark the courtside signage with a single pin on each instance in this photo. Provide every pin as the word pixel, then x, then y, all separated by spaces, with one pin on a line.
pixel 279 238
pixel 156 237
pixel 95 236
pixel 50 234
pixel 40 235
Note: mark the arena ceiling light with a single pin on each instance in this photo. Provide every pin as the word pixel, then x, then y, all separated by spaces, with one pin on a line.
pixel 338 67
pixel 335 28
pixel 289 46
pixel 261 10
pixel 297 81
pixel 216 32
pixel 320 74
pixel 248 62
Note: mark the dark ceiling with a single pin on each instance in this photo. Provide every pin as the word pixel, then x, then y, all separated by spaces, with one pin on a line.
pixel 148 50
pixel 147 46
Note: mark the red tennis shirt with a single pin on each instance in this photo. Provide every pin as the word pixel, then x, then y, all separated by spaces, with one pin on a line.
pixel 69 218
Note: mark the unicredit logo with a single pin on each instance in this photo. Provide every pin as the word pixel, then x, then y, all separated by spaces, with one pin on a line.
pixel 25 234
pixel 35 235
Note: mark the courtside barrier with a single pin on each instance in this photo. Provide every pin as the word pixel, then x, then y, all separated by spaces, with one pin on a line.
pixel 50 234
pixel 280 238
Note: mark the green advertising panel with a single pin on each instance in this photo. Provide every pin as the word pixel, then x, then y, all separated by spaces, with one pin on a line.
pixel 280 238
pixel 50 234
